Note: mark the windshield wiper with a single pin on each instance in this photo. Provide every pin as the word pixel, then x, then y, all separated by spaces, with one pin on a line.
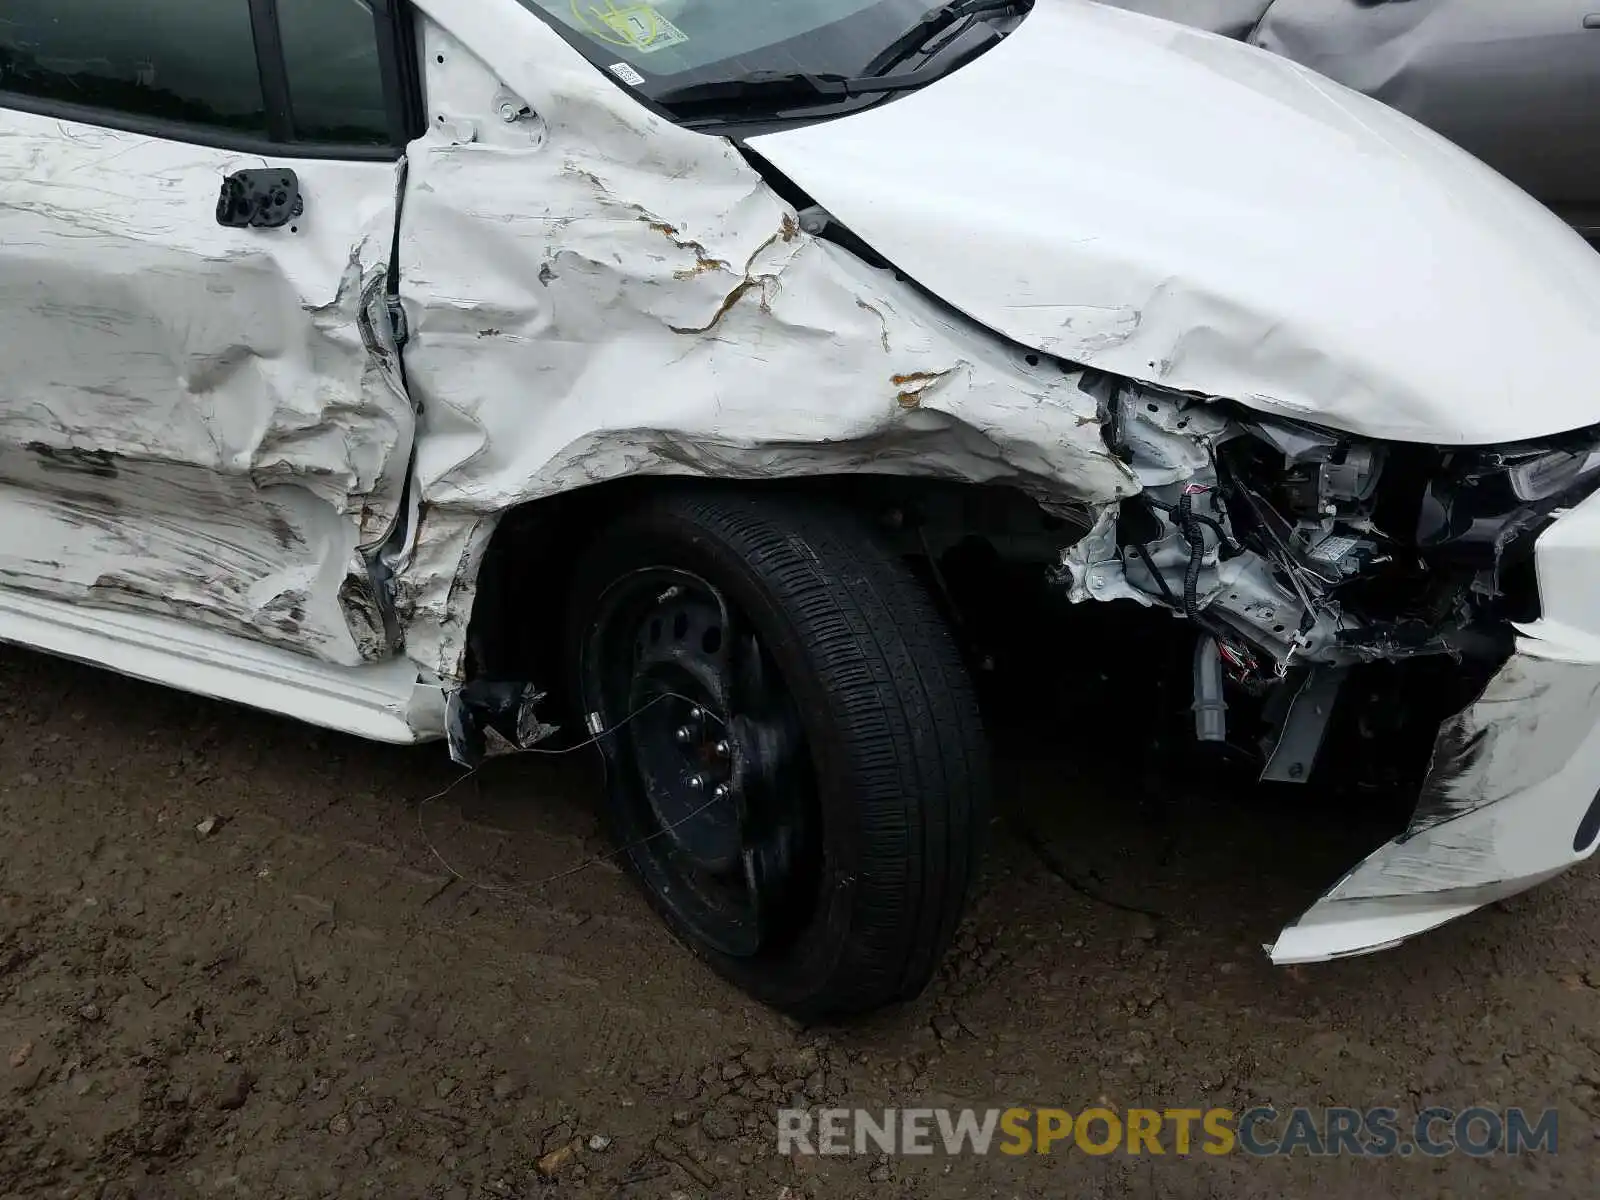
pixel 805 87
pixel 933 22
pixel 799 87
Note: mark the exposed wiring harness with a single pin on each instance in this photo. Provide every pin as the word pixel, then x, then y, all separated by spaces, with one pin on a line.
pixel 1241 661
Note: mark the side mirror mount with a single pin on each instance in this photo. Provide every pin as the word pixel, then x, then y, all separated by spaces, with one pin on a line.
pixel 267 198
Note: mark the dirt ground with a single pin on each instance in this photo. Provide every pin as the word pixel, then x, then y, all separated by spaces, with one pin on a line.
pixel 235 961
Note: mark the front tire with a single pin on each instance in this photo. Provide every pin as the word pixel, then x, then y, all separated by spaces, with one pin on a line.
pixel 798 772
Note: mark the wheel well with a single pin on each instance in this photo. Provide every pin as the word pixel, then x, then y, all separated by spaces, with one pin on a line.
pixel 519 616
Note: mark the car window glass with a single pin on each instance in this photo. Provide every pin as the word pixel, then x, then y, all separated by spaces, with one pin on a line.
pixel 668 37
pixel 331 51
pixel 174 60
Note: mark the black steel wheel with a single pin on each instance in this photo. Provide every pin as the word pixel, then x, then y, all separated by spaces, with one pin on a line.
pixel 797 770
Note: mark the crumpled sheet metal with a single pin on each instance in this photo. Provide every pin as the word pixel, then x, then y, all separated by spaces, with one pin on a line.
pixel 434 587
pixel 220 434
pixel 597 293
pixel 1219 220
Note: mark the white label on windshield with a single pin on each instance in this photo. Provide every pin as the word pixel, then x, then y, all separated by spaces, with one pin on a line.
pixel 626 73
pixel 643 28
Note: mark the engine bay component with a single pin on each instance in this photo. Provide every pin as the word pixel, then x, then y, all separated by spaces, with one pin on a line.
pixel 1301 728
pixel 1299 552
pixel 1210 709
pixel 1253 560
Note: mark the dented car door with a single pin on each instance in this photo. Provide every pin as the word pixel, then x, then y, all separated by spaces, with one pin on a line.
pixel 201 413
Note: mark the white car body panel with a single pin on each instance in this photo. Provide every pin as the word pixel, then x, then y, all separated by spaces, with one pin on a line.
pixel 204 450
pixel 1190 211
pixel 386 701
pixel 192 422
pixel 1513 778
pixel 599 293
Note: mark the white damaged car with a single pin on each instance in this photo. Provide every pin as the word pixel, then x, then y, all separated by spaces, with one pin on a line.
pixel 462 369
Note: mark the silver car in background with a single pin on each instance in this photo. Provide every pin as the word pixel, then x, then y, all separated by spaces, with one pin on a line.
pixel 1515 82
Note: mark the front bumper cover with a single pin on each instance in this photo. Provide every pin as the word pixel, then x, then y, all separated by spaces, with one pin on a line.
pixel 1512 796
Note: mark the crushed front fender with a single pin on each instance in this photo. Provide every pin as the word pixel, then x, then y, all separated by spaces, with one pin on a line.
pixel 594 293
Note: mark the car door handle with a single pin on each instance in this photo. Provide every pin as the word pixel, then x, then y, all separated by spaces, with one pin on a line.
pixel 1592 21
pixel 266 198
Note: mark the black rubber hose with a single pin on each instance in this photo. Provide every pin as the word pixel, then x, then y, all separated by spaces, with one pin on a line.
pixel 1190 528
pixel 1223 536
pixel 1223 635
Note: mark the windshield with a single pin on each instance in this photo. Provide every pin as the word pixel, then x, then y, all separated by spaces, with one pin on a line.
pixel 667 44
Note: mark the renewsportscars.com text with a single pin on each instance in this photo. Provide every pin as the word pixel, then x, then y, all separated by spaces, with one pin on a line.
pixel 1263 1131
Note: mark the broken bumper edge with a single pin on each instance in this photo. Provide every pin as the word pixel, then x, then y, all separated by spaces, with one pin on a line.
pixel 1512 796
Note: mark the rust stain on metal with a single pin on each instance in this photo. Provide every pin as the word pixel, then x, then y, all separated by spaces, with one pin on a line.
pixel 732 298
pixel 702 266
pixel 913 384
pixel 787 231
pixel 703 260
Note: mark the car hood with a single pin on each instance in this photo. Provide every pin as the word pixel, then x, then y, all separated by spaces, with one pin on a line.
pixel 1192 212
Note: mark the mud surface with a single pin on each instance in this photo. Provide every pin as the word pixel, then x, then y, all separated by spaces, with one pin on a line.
pixel 234 962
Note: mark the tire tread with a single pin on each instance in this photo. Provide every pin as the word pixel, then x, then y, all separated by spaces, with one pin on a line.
pixel 906 718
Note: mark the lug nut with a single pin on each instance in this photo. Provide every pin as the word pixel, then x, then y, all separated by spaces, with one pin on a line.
pixel 697 715
pixel 723 749
pixel 721 792
pixel 696 782
pixel 685 735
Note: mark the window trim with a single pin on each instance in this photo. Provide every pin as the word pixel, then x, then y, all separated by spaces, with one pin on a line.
pixel 272 65
pixel 400 65
pixel 394 27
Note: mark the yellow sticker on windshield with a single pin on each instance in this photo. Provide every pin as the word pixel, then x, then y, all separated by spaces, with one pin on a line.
pixel 636 26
